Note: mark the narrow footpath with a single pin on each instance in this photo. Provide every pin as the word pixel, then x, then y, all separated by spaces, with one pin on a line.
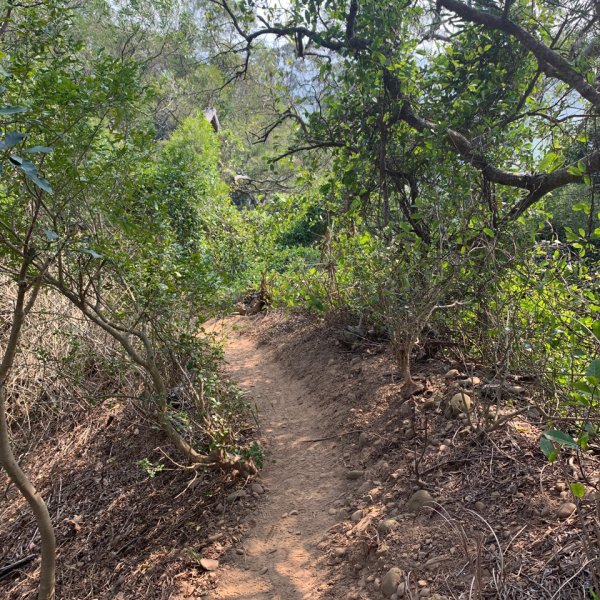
pixel 281 560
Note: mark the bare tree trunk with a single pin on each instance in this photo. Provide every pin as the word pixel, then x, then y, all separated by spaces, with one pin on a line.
pixel 403 353
pixel 7 458
pixel 36 502
pixel 402 346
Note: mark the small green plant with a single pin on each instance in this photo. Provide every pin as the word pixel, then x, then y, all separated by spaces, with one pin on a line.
pixel 585 394
pixel 578 489
pixel 256 453
pixel 193 554
pixel 150 468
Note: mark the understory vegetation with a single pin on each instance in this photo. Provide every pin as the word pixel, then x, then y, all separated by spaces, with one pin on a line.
pixel 419 174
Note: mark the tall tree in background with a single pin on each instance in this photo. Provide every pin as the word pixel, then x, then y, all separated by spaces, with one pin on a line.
pixel 505 87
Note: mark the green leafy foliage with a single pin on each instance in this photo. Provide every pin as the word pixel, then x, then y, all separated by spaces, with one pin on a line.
pixel 117 218
pixel 151 469
pixel 419 210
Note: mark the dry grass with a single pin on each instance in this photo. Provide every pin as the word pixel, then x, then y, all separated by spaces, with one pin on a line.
pixel 79 430
pixel 64 364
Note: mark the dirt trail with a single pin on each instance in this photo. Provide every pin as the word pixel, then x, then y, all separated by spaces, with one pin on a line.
pixel 281 560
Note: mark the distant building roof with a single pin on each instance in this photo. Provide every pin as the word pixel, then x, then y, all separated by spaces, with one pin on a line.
pixel 210 114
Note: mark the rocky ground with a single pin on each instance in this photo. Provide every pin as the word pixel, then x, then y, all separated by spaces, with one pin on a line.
pixel 433 508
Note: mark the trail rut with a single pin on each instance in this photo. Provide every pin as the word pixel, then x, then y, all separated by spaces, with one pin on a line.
pixel 281 560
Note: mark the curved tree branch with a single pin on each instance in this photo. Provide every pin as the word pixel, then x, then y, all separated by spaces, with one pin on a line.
pixel 550 61
pixel 538 184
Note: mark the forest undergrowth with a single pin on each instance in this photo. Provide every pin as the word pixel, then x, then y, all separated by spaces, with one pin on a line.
pixel 421 176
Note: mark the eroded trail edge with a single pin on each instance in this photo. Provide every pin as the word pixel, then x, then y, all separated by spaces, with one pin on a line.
pixel 281 560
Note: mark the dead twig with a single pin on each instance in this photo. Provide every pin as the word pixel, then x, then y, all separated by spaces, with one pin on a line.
pixel 5 571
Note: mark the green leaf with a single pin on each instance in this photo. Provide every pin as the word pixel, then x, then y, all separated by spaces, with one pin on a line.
pixel 31 172
pixel 12 138
pixel 91 252
pixel 28 167
pixel 547 448
pixel 12 110
pixel 550 162
pixel 579 169
pixel 582 206
pixel 593 372
pixel 578 489
pixel 488 232
pixel 594 368
pixel 584 388
pixel 380 57
pixel 560 437
pixel 42 183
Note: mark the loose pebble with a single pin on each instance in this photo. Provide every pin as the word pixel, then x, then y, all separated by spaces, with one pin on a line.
pixel 566 510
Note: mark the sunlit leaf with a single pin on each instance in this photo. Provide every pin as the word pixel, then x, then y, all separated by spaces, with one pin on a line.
pixel 560 437
pixel 40 149
pixel 12 110
pixel 12 138
pixel 578 489
pixel 91 252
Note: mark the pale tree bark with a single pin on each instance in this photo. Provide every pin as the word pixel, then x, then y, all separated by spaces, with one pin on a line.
pixel 26 296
